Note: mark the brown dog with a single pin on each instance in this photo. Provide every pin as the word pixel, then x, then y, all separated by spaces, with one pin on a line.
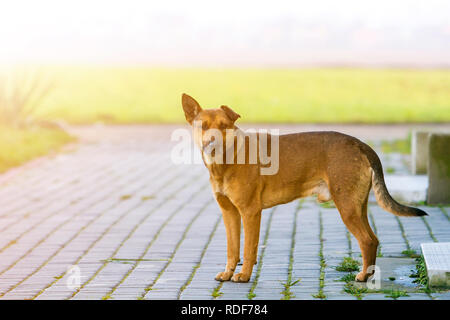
pixel 331 165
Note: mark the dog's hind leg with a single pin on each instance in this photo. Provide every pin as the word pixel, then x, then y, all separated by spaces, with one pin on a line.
pixel 353 211
pixel 350 193
pixel 232 221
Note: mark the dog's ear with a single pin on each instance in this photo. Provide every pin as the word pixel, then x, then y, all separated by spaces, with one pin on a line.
pixel 191 107
pixel 230 113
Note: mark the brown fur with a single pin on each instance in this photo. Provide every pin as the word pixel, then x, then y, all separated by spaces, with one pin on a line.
pixel 331 165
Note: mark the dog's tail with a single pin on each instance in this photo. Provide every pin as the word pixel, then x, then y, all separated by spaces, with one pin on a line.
pixel 382 195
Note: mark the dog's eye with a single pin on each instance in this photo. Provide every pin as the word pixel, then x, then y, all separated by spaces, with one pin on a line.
pixel 204 126
pixel 222 126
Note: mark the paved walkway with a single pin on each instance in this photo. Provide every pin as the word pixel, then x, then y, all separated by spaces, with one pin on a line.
pixel 114 218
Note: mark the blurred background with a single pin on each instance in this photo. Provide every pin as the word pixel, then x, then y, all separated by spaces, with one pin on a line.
pixel 127 62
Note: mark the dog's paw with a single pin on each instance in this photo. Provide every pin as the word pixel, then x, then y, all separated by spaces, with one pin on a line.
pixel 240 277
pixel 224 276
pixel 362 277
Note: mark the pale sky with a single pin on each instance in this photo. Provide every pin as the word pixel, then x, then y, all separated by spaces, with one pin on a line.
pixel 223 33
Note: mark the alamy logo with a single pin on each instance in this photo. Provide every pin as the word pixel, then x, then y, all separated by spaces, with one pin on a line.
pixel 230 146
pixel 374 281
pixel 74 277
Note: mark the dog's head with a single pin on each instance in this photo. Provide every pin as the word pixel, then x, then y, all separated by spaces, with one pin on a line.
pixel 211 122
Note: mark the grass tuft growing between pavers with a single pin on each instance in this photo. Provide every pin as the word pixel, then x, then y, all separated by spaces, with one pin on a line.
pixel 410 253
pixel 420 274
pixel 320 294
pixel 395 293
pixel 348 264
pixel 355 290
pixel 287 293
pixel 216 293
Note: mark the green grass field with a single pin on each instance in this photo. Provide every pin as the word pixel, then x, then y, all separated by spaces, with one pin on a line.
pixel 146 95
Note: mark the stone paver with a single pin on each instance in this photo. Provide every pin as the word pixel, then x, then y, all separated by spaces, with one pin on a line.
pixel 437 260
pixel 133 225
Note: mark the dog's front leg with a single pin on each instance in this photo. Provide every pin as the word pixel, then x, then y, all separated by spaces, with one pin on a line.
pixel 252 223
pixel 232 221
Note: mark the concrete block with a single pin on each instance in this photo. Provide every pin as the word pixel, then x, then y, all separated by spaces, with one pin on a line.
pixel 419 152
pixel 437 261
pixel 439 169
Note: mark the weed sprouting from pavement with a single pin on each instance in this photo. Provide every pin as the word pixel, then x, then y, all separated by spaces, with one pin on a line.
pixel 216 293
pixel 287 293
pixel 410 253
pixel 355 290
pixel 396 293
pixel 348 264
